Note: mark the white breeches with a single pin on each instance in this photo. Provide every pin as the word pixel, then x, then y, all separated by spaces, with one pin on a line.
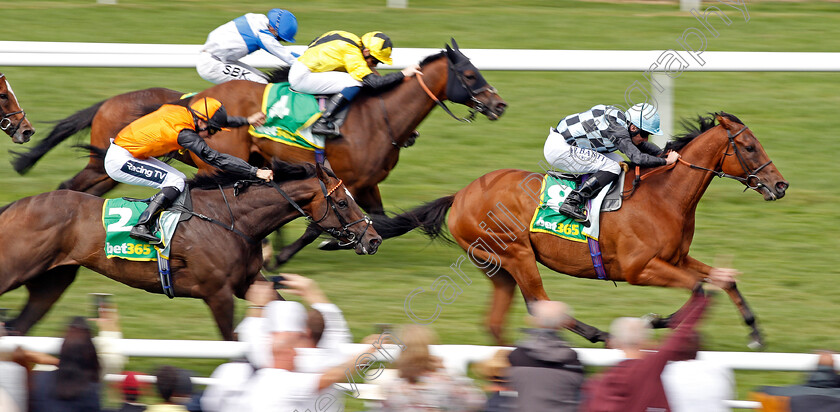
pixel 573 159
pixel 125 168
pixel 216 71
pixel 302 80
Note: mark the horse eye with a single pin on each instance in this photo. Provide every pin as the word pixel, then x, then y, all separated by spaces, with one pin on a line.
pixel 469 76
pixel 750 149
pixel 342 204
pixel 4 96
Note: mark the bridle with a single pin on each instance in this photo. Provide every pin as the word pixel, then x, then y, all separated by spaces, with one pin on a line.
pixel 752 181
pixel 458 71
pixel 241 185
pixel 6 121
pixel 351 239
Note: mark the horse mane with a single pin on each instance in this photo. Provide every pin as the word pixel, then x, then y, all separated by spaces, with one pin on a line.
pixel 432 58
pixel 279 75
pixel 704 123
pixel 283 172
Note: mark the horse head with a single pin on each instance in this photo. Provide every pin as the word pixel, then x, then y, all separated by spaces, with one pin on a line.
pixel 13 119
pixel 746 158
pixel 338 214
pixel 466 85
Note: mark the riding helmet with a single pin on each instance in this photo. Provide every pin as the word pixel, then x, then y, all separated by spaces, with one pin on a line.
pixel 284 23
pixel 645 117
pixel 379 46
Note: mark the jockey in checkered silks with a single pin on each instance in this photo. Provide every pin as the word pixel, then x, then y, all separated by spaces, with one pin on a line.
pixel 586 143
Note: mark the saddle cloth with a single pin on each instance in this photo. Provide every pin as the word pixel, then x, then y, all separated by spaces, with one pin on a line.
pixel 120 215
pixel 288 117
pixel 555 187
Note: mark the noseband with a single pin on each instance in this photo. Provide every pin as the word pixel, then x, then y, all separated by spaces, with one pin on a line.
pixel 6 121
pixel 344 236
pixel 456 71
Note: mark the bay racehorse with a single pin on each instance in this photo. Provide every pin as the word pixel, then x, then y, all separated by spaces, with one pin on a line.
pixel 13 119
pixel 489 219
pixel 46 238
pixel 376 128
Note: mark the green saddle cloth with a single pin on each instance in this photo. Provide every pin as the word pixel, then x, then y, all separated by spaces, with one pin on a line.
pixel 288 117
pixel 548 219
pixel 119 216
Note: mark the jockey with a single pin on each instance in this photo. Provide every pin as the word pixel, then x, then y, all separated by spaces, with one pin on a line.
pixel 219 59
pixel 131 156
pixel 586 142
pixel 340 63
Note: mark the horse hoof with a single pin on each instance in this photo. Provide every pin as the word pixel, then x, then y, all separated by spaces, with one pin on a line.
pixel 756 344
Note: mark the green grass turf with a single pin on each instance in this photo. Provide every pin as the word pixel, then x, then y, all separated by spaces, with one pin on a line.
pixel 787 250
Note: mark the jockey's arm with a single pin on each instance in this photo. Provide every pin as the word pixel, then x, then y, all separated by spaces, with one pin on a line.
pixel 636 156
pixel 190 140
pixel 273 46
pixel 387 81
pixel 650 148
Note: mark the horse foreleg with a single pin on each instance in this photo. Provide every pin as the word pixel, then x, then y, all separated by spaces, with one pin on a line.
pixel 312 232
pixel 221 306
pixel 503 287
pixel 44 291
pixel 702 271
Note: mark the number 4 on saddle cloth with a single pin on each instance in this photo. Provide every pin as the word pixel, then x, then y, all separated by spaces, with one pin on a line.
pixel 548 219
pixel 120 215
pixel 288 117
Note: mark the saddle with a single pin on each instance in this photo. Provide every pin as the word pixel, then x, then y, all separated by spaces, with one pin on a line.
pixel 612 201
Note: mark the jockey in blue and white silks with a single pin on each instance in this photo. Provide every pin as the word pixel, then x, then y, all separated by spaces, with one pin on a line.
pixel 586 143
pixel 219 58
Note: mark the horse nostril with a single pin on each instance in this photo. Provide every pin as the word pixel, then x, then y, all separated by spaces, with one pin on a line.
pixel 782 186
pixel 28 133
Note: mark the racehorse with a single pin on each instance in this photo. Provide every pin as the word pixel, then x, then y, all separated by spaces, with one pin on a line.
pixel 665 199
pixel 13 119
pixel 375 130
pixel 216 255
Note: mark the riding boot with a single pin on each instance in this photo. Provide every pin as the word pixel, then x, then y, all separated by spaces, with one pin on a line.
pixel 325 125
pixel 144 229
pixel 575 204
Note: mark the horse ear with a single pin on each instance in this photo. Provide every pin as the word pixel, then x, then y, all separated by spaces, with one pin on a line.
pixel 454 43
pixel 448 49
pixel 725 122
pixel 321 172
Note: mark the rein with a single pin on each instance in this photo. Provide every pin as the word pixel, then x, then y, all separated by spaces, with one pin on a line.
pixel 336 233
pixel 747 181
pixel 467 119
pixel 6 121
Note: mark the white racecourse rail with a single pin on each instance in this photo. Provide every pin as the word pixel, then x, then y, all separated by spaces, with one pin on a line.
pixel 64 54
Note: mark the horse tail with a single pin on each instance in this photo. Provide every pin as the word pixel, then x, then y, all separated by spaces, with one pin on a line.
pixel 23 161
pixel 430 218
pixel 95 151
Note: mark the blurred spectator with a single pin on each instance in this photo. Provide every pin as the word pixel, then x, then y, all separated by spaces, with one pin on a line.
pixel 316 335
pixel 108 324
pixel 694 385
pixel 545 371
pixel 280 389
pixel 825 376
pixel 13 380
pixel 423 385
pixel 74 385
pixel 130 390
pixel 821 392
pixel 501 397
pixel 174 387
pixel 635 384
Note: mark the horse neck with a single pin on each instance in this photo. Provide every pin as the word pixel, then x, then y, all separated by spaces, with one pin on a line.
pixel 260 209
pixel 687 185
pixel 405 106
